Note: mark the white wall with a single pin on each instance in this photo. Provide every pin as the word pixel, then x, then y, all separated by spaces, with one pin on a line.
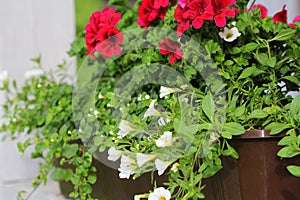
pixel 292 6
pixel 29 28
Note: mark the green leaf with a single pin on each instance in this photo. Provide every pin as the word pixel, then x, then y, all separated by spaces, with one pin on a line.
pixel 235 50
pixel 257 114
pixel 292 79
pixel 284 35
pixel 249 47
pixel 58 174
pixel 21 147
pixel 279 129
pixel 248 72
pixel 287 140
pixel 208 107
pixel 211 171
pixel 41 147
pixel 230 152
pixel 295 106
pixel 92 178
pixel 264 59
pixel 234 128
pixel 288 152
pixel 294 170
pixel 70 150
pixel 212 47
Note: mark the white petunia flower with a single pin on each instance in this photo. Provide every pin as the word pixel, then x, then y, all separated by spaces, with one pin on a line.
pixel 143 158
pixel 160 194
pixel 100 96
pixel 96 112
pixel 114 154
pixel 33 73
pixel 147 97
pixel 139 98
pixel 174 167
pixel 229 34
pixel 151 111
pixel 127 167
pixel 164 140
pixel 161 166
pixel 164 91
pixel 125 128
pixel 3 75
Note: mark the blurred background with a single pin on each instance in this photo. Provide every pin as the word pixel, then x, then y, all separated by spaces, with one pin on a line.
pixel 32 28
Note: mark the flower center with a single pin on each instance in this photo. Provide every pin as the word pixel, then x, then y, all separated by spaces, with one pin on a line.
pixel 161 198
pixel 228 35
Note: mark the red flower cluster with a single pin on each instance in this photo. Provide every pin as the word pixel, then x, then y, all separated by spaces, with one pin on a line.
pixel 101 35
pixel 150 10
pixel 195 12
pixel 171 47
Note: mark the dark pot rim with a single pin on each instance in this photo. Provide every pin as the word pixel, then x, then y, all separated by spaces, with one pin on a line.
pixel 259 134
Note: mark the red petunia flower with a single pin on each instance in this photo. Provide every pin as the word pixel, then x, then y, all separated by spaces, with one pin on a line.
pixel 263 10
pixel 111 39
pixel 296 19
pixel 99 29
pixel 171 47
pixel 148 13
pixel 221 10
pixel 281 16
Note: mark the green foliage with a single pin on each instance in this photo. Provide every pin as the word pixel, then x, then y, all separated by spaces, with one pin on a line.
pixel 233 87
pixel 42 108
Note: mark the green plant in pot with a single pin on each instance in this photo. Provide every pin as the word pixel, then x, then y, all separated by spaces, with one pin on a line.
pixel 170 89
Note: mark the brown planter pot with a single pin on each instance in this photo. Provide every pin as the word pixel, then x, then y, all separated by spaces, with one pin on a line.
pixel 258 173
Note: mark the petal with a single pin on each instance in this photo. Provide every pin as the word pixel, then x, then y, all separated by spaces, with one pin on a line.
pixel 220 20
pixel 198 22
